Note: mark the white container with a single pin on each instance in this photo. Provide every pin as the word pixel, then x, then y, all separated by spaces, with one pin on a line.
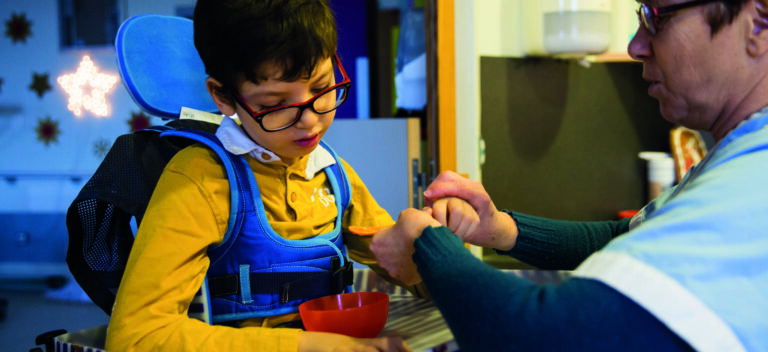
pixel 576 27
pixel 661 172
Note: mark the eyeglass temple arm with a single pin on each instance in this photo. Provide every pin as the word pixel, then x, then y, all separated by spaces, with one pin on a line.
pixel 677 7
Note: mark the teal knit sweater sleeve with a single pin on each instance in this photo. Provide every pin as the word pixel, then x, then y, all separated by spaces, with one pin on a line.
pixel 560 244
pixel 491 310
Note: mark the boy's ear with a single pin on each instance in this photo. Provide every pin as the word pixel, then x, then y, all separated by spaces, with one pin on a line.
pixel 220 96
pixel 758 40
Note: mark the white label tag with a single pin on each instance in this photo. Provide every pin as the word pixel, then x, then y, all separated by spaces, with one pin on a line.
pixel 192 114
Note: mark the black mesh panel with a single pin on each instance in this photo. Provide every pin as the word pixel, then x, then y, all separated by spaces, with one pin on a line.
pixel 98 220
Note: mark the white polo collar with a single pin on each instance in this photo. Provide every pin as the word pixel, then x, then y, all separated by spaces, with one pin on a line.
pixel 237 142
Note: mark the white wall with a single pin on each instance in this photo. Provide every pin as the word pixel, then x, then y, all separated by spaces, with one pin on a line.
pixel 500 28
pixel 483 28
pixel 503 28
pixel 45 183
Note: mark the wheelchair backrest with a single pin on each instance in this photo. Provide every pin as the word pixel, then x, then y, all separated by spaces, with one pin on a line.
pixel 162 72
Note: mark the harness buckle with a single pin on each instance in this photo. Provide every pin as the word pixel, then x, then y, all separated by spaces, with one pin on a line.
pixel 341 276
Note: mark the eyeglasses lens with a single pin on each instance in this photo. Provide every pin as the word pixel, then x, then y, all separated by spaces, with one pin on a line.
pixel 647 17
pixel 324 103
pixel 330 100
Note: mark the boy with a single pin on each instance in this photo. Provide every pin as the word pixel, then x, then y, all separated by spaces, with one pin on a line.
pixel 273 65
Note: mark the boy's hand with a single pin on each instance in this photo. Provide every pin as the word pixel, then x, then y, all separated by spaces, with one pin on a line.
pixel 495 229
pixel 456 214
pixel 393 246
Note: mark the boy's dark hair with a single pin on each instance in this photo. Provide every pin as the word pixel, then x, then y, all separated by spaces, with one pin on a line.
pixel 237 39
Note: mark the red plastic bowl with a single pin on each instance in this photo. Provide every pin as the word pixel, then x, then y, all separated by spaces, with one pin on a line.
pixel 356 314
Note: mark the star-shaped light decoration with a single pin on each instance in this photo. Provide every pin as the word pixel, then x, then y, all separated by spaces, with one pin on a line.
pixel 40 84
pixel 138 121
pixel 87 88
pixel 18 28
pixel 47 130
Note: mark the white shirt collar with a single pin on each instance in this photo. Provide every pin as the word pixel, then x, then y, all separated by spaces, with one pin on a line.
pixel 237 142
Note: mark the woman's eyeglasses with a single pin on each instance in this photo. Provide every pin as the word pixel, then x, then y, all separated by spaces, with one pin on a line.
pixel 649 16
pixel 282 117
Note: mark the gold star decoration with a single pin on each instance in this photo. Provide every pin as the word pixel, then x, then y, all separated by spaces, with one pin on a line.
pixel 40 84
pixel 138 121
pixel 87 88
pixel 47 130
pixel 18 28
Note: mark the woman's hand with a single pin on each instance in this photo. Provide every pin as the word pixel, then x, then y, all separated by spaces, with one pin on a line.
pixel 455 214
pixel 326 342
pixel 393 246
pixel 495 229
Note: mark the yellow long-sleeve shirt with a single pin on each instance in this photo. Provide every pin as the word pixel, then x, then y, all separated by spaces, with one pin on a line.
pixel 188 212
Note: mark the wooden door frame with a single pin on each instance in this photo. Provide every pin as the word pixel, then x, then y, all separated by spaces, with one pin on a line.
pixel 441 84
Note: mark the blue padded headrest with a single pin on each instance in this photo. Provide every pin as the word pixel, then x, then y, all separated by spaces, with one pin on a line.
pixel 160 67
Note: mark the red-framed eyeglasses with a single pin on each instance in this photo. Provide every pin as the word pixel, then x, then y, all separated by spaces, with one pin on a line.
pixel 282 117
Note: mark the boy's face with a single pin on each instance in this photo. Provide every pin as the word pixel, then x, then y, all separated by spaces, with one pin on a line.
pixel 301 138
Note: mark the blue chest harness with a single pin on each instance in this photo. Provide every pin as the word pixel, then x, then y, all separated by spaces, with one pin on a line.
pixel 255 272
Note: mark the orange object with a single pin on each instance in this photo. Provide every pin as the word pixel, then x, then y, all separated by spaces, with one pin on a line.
pixel 623 214
pixel 687 149
pixel 365 230
pixel 356 314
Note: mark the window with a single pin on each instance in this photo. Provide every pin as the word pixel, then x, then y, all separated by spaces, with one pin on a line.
pixel 88 23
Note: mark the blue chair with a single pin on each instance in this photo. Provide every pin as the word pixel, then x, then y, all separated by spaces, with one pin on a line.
pixel 160 67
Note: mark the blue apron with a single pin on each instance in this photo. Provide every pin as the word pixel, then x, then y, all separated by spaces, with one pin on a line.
pixel 697 256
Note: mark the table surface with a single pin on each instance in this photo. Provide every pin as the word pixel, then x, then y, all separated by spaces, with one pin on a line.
pixel 422 326
pixel 416 320
pixel 419 323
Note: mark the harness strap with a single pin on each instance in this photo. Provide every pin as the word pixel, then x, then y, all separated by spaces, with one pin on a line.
pixel 155 129
pixel 290 285
pixel 234 166
pixel 341 177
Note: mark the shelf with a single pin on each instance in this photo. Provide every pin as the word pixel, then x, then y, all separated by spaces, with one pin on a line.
pixel 611 57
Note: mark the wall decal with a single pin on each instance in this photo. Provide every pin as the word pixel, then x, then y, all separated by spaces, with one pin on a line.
pixel 138 121
pixel 101 147
pixel 47 130
pixel 40 84
pixel 87 88
pixel 18 28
